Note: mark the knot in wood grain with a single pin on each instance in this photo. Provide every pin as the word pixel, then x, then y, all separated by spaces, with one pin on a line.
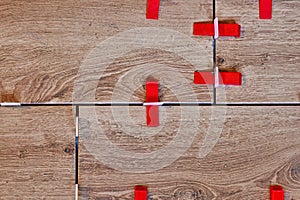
pixel 69 149
pixel 190 192
pixel 22 153
pixel 295 171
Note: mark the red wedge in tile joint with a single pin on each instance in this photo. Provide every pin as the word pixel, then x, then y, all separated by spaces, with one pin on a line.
pixel 152 9
pixel 225 78
pixel 265 9
pixel 276 193
pixel 140 192
pixel 225 30
pixel 152 114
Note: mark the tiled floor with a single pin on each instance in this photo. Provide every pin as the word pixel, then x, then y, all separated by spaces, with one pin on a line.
pixel 59 54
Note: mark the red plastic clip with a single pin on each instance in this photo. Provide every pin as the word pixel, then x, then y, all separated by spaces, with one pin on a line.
pixel 152 9
pixel 208 29
pixel 265 9
pixel 276 193
pixel 152 96
pixel 225 78
pixel 140 192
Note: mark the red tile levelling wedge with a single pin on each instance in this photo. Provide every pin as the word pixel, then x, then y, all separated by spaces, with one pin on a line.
pixel 276 193
pixel 265 9
pixel 225 78
pixel 140 192
pixel 152 114
pixel 207 29
pixel 152 9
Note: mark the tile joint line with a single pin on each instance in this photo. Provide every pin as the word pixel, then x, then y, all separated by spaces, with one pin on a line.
pixel 214 55
pixel 76 149
pixel 166 103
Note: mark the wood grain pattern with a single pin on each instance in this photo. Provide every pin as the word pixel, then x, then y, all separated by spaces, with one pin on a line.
pixel 267 54
pixel 42 44
pixel 36 153
pixel 258 147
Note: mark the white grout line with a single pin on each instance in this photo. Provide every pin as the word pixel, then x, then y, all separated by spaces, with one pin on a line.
pixel 153 104
pixel 77 120
pixel 76 192
pixel 216 27
pixel 216 77
pixel 10 104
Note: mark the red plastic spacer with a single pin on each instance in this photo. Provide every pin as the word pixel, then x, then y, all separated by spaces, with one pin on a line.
pixel 206 78
pixel 140 192
pixel 225 78
pixel 276 193
pixel 152 9
pixel 207 29
pixel 152 114
pixel 265 9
